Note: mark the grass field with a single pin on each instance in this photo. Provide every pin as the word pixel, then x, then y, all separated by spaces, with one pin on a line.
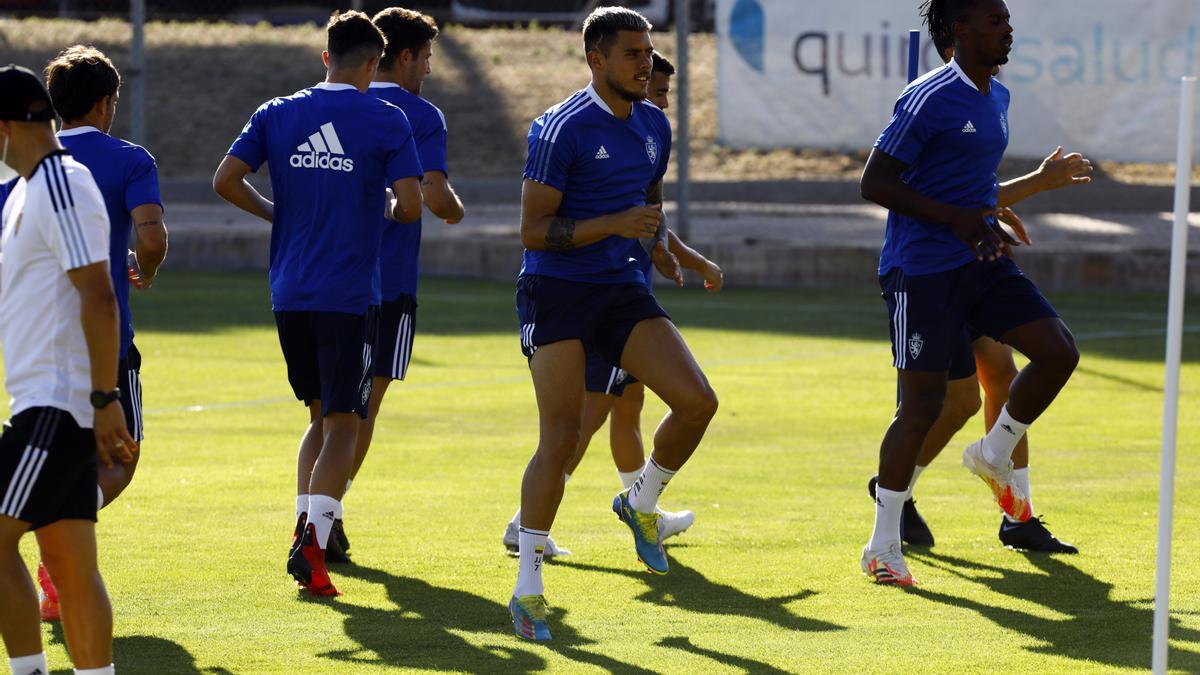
pixel 766 581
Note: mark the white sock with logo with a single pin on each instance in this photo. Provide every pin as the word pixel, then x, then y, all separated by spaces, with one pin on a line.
pixel 1021 477
pixel 916 474
pixel 999 443
pixel 322 510
pixel 30 665
pixel 889 504
pixel 628 478
pixel 301 504
pixel 643 496
pixel 106 670
pixel 529 567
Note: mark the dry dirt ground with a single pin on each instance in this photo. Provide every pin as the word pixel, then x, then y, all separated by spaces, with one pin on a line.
pixel 205 79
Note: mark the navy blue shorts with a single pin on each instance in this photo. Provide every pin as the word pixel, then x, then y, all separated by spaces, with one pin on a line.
pixel 397 326
pixel 329 357
pixel 600 315
pixel 129 381
pixel 602 377
pixel 931 313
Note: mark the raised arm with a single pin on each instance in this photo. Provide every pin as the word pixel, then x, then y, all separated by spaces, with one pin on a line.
pixel 542 229
pixel 230 183
pixel 441 198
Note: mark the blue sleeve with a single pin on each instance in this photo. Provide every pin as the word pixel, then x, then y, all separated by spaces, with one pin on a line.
pixel 431 144
pixel 401 160
pixel 141 183
pixel 910 129
pixel 5 189
pixel 251 144
pixel 665 152
pixel 550 158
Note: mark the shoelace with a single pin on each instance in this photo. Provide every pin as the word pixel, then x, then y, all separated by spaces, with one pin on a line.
pixel 647 523
pixel 535 606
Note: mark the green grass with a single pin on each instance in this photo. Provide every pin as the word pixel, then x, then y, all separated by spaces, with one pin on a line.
pixel 766 581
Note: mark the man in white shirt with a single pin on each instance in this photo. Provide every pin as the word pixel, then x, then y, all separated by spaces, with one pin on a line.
pixel 59 329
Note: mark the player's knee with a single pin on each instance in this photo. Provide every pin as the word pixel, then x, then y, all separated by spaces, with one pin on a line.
pixel 701 407
pixel 1060 355
pixel 963 406
pixel 559 441
pixel 921 412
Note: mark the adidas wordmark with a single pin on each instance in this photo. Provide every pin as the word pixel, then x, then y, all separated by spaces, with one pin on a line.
pixel 323 150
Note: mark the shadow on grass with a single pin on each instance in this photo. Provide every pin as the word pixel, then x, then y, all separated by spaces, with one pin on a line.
pixel 689 590
pixel 684 643
pixel 149 654
pixel 423 631
pixel 1097 629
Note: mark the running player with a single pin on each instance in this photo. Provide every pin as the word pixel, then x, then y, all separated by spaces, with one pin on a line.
pixel 611 389
pixel 981 360
pixel 592 182
pixel 84 86
pixel 402 70
pixel 943 269
pixel 59 326
pixel 333 150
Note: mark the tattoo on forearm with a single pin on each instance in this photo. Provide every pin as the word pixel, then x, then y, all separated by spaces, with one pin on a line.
pixel 148 223
pixel 561 235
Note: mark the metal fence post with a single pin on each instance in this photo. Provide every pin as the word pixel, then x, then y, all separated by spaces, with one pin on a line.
pixel 137 75
pixel 680 144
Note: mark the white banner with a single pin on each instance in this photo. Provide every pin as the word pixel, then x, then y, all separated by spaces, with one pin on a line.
pixel 1100 77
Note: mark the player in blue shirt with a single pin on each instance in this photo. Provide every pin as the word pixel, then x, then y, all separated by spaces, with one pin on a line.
pixel 402 70
pixel 943 269
pixel 980 361
pixel 85 85
pixel 592 183
pixel 333 150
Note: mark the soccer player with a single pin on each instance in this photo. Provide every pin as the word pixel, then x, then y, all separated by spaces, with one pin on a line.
pixel 84 86
pixel 592 182
pixel 333 150
pixel 402 70
pixel 980 360
pixel 59 328
pixel 611 389
pixel 943 269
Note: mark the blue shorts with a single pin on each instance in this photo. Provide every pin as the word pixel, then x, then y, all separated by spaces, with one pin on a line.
pixel 397 326
pixel 129 381
pixel 600 315
pixel 930 314
pixel 602 377
pixel 329 357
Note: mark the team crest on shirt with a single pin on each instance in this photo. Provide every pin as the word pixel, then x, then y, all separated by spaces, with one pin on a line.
pixel 915 344
pixel 652 148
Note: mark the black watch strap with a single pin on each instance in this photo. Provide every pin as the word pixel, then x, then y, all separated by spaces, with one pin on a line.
pixel 101 399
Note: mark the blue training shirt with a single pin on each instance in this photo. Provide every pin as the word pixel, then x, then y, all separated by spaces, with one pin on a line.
pixel 332 151
pixel 398 259
pixel 128 178
pixel 602 165
pixel 952 137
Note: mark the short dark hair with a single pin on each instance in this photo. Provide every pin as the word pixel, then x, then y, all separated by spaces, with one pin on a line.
pixel 940 15
pixel 662 65
pixel 601 27
pixel 403 29
pixel 353 39
pixel 78 78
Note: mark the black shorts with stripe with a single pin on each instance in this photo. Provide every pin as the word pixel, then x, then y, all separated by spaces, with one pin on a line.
pixel 397 326
pixel 601 377
pixel 129 381
pixel 48 468
pixel 330 357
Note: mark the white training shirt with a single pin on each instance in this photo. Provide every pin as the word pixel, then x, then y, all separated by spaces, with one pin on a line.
pixel 52 223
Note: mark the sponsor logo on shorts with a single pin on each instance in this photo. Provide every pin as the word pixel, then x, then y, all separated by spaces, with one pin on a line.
pixel 915 344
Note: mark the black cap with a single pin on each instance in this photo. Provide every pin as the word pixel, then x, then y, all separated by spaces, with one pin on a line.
pixel 23 97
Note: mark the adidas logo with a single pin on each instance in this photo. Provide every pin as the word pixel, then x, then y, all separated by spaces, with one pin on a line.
pixel 322 151
pixel 328 514
pixel 1008 429
pixel 969 129
pixel 602 153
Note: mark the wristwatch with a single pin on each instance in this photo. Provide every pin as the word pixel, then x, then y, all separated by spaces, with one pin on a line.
pixel 101 399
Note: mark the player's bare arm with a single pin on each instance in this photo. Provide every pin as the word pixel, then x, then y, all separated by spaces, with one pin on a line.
pixel 542 229
pixel 151 244
pixel 230 183
pixel 98 313
pixel 693 260
pixel 441 198
pixel 882 183
pixel 1056 171
pixel 406 202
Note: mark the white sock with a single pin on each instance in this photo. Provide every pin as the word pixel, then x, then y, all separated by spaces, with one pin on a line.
pixel 27 665
pixel 888 506
pixel 349 482
pixel 916 474
pixel 1021 476
pixel 99 498
pixel 999 443
pixel 106 670
pixel 628 478
pixel 529 568
pixel 322 510
pixel 301 504
pixel 643 496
